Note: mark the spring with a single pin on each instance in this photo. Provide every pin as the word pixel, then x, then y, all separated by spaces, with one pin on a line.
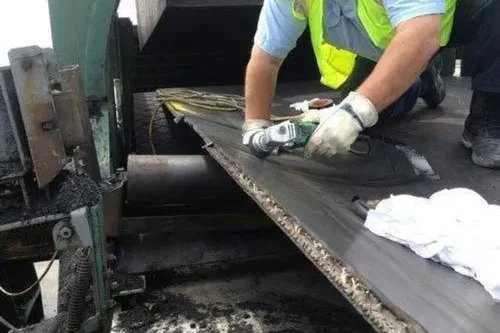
pixel 79 290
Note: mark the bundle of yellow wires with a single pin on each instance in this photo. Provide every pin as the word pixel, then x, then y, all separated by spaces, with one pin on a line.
pixel 203 101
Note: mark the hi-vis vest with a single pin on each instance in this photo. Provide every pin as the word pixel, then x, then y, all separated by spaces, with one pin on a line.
pixel 335 64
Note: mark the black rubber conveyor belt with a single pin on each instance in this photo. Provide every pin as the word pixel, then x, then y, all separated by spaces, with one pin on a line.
pixel 394 289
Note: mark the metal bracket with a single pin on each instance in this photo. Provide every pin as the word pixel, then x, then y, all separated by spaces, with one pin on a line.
pixel 80 223
pixel 29 71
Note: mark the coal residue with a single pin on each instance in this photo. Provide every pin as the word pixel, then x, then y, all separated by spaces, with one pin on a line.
pixel 50 325
pixel 168 312
pixel 70 191
pixel 123 283
pixel 9 156
pixel 67 192
pixel 177 311
pixel 8 168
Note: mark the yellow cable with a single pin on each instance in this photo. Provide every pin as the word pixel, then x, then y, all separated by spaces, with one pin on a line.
pixel 9 325
pixel 151 123
pixel 35 283
pixel 205 101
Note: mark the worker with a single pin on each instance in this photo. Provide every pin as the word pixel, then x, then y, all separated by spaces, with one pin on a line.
pixel 382 55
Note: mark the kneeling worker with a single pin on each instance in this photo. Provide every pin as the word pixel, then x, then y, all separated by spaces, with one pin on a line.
pixel 381 54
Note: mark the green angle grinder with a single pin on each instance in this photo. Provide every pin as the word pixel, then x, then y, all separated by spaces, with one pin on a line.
pixel 287 135
pixel 295 133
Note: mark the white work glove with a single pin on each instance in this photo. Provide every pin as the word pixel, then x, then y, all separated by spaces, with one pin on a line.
pixel 252 126
pixel 338 130
pixel 315 116
pixel 310 114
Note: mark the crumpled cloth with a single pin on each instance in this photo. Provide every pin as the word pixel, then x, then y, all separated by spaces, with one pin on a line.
pixel 302 106
pixel 455 227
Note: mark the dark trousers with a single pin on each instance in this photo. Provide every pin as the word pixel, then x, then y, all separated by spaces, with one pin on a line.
pixel 476 25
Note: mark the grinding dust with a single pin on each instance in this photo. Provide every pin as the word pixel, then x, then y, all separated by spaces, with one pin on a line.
pixel 341 276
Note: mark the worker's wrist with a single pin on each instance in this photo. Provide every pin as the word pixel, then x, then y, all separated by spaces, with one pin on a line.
pixel 361 108
pixel 251 126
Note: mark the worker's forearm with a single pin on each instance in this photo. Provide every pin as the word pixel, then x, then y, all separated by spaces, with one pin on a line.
pixel 403 61
pixel 260 85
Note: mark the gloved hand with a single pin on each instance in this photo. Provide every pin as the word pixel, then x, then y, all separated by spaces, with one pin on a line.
pixel 338 130
pixel 315 116
pixel 252 126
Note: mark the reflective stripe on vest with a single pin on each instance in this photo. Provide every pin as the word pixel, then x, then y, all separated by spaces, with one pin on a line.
pixel 335 65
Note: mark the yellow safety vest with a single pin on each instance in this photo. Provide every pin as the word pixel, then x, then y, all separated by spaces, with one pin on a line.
pixel 335 64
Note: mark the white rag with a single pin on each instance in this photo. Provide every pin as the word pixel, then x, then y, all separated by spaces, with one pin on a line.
pixel 455 227
pixel 302 106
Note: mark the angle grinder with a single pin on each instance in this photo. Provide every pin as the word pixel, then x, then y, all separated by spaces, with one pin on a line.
pixel 295 133
pixel 285 135
pixel 290 135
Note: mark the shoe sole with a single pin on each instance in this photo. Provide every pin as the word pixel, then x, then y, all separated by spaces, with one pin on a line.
pixel 485 162
pixel 481 161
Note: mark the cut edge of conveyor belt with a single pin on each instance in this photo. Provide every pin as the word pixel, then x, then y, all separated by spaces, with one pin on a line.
pixel 383 318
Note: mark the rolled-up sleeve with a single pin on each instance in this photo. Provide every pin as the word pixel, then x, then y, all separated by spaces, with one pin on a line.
pixel 277 29
pixel 399 11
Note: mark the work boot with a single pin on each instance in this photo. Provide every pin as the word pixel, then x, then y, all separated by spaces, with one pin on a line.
pixel 433 87
pixel 482 129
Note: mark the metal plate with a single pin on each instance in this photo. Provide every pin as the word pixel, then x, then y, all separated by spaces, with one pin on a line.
pixel 37 109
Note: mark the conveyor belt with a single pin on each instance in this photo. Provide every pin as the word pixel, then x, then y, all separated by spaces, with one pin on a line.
pixel 396 290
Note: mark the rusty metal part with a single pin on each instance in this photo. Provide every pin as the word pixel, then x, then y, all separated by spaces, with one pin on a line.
pixel 171 179
pixel 71 82
pixel 37 108
pixel 66 110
